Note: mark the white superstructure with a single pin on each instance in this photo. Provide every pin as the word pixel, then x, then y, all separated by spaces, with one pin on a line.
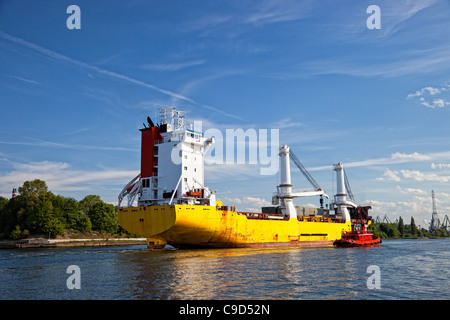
pixel 177 171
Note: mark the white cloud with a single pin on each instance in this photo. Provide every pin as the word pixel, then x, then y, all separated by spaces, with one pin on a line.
pixel 436 103
pixel 428 96
pixel 415 175
pixel 432 91
pixel 389 175
pixel 420 176
pixel 59 176
pixel 410 156
pixel 247 204
pixel 440 165
pixel 411 191
pixel 393 159
pixel 173 66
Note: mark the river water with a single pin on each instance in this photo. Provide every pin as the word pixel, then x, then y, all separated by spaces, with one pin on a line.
pixel 404 269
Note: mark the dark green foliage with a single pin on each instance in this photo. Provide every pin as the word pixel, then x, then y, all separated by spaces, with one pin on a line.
pixel 400 230
pixel 103 217
pixel 38 211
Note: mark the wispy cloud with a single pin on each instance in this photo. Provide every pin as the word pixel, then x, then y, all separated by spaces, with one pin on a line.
pixel 412 191
pixel 35 142
pixel 25 80
pixel 173 66
pixel 395 158
pixel 417 62
pixel 440 165
pixel 416 175
pixel 396 13
pixel 113 75
pixel 60 57
pixel 199 83
pixel 259 13
pixel 278 11
pixel 60 177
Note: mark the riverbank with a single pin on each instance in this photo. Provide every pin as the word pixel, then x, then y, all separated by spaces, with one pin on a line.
pixel 54 243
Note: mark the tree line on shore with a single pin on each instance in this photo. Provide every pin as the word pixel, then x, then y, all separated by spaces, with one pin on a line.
pixel 38 211
pixel 402 230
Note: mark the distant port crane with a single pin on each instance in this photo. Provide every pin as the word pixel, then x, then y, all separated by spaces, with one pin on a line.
pixel 435 223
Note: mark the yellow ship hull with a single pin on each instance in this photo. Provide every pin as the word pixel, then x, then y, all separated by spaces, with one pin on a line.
pixel 205 226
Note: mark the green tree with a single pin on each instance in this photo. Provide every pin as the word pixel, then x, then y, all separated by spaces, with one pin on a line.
pixel 53 226
pixel 3 203
pixel 70 213
pixel 375 228
pixel 441 232
pixel 88 202
pixel 8 217
pixel 103 217
pixel 16 233
pixel 390 230
pixel 34 205
pixel 38 210
pixel 83 223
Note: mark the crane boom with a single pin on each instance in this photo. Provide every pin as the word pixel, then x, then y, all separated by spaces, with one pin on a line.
pixel 304 171
pixel 347 186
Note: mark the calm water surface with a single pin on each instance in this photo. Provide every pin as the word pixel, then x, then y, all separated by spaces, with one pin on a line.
pixel 410 269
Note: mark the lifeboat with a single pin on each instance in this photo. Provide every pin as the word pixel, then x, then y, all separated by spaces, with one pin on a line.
pixel 194 193
pixel 359 236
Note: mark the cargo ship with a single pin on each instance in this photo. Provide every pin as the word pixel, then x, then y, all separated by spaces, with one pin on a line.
pixel 168 203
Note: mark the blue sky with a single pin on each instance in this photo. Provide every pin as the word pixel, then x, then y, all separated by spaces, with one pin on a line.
pixel 72 101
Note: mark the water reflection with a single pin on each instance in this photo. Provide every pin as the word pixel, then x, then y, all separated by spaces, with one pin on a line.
pixel 410 269
pixel 262 273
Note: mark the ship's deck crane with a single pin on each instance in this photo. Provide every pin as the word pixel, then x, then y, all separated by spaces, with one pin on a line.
pixel 284 190
pixel 317 189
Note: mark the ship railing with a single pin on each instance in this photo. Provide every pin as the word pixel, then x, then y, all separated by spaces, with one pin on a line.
pixel 313 218
pixel 262 216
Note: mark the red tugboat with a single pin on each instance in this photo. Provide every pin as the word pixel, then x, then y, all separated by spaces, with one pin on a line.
pixel 360 236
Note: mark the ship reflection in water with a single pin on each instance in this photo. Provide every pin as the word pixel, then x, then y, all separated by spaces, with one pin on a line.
pixel 283 273
pixel 410 269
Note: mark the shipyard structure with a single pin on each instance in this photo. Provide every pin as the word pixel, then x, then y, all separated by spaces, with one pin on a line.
pixel 175 207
